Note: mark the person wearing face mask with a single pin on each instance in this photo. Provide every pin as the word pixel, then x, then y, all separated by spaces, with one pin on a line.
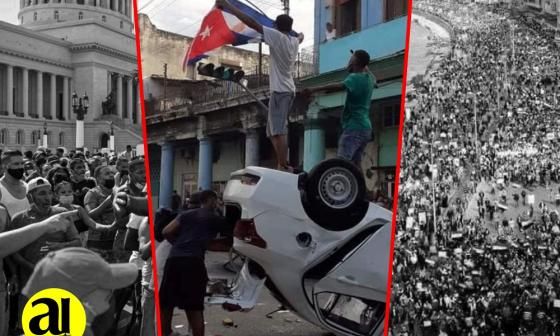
pixel 99 204
pixel 13 191
pixel 40 196
pixel 90 278
pixel 63 193
pixel 356 123
pixel 39 193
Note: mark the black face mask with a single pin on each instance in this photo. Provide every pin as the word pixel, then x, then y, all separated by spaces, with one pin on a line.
pixel 16 173
pixel 109 184
pixel 124 172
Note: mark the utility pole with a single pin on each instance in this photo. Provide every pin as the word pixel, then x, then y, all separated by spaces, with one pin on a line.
pixel 164 87
pixel 286 4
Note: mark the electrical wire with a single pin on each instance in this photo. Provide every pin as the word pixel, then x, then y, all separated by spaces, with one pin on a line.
pixel 158 7
pixel 146 5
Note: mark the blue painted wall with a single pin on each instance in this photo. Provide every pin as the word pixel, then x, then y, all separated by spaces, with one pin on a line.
pixel 378 38
pixel 379 41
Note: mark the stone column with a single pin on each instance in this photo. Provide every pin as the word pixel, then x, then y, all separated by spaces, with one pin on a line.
pixel 204 163
pixel 129 102
pixel 40 111
pixel 138 105
pixel 252 147
pixel 65 99
pixel 558 22
pixel 53 96
pixel 25 105
pixel 119 96
pixel 10 90
pixel 166 174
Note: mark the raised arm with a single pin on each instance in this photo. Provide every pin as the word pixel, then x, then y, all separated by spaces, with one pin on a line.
pixel 246 19
pixel 171 230
pixel 15 240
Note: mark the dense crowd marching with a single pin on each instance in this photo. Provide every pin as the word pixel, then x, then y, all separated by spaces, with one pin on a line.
pixel 76 220
pixel 483 132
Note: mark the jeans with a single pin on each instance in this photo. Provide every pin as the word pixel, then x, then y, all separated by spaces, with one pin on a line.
pixel 352 144
pixel 148 327
pixel 4 309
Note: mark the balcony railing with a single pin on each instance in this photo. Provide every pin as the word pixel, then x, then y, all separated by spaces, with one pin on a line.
pixel 307 64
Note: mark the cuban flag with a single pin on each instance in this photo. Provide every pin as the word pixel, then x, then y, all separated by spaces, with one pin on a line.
pixel 220 28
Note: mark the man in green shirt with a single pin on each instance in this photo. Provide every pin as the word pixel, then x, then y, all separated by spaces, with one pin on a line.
pixel 356 124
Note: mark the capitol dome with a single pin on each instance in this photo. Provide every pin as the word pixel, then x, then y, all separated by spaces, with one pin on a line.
pixel 42 15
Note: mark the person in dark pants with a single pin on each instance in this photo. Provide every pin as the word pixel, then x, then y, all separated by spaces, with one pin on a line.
pixel 185 277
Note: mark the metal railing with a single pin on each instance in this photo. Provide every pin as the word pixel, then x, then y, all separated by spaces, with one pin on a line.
pixel 307 65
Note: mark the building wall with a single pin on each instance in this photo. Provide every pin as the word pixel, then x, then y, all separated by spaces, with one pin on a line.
pixel 47 50
pixel 388 38
pixel 92 134
pixel 160 47
pixel 42 15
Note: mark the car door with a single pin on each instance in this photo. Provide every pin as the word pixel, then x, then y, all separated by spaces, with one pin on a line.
pixel 350 299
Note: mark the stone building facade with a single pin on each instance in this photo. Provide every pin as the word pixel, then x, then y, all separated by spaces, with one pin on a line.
pixel 61 47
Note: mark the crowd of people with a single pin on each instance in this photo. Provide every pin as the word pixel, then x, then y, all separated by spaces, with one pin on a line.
pixel 63 210
pixel 478 231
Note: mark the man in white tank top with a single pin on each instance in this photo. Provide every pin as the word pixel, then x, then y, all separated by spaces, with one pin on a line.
pixel 13 191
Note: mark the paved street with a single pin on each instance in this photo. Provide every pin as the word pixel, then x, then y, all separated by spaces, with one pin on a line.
pixel 253 323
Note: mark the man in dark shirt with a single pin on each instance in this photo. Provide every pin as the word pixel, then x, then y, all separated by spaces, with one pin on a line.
pixel 185 277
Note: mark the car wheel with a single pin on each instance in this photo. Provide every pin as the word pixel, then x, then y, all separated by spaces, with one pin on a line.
pixel 334 195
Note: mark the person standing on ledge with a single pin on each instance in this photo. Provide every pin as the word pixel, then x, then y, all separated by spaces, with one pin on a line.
pixel 283 55
pixel 356 123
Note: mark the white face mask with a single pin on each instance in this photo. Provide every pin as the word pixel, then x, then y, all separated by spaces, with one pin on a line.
pixel 140 186
pixel 66 199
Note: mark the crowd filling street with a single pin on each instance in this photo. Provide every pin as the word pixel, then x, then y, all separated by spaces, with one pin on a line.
pixel 78 221
pixel 478 231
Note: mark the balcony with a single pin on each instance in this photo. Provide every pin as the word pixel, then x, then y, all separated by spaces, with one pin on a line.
pixel 198 94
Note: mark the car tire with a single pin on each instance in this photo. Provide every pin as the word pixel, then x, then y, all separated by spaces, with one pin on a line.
pixel 334 195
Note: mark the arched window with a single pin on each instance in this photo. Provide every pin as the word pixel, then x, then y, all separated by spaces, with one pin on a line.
pixel 20 137
pixel 56 15
pixel 35 16
pixel 80 15
pixel 4 136
pixel 104 18
pixel 80 2
pixel 61 138
pixel 122 24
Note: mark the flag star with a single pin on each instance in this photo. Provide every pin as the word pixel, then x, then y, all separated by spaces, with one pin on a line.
pixel 206 32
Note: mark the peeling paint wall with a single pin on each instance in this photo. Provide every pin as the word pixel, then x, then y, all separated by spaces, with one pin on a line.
pixel 160 47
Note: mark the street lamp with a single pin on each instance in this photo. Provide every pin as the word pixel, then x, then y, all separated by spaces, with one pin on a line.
pixel 112 139
pixel 80 106
pixel 45 136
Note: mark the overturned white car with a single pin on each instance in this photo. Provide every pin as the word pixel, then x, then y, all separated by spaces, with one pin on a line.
pixel 314 242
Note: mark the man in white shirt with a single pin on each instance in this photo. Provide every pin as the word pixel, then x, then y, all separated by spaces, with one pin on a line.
pixel 283 55
pixel 330 33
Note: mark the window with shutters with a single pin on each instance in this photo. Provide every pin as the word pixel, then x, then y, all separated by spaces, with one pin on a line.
pixel 395 9
pixel 20 137
pixel 4 137
pixel 346 16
